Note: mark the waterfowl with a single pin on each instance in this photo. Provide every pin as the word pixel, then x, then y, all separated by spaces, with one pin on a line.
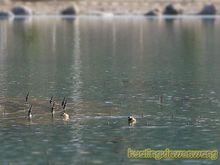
pixel 64 104
pixel 52 108
pixel 29 112
pixel 27 96
pixel 65 116
pixel 51 100
pixel 63 101
pixel 131 120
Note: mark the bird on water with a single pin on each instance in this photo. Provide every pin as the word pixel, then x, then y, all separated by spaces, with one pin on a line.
pixel 27 96
pixel 131 120
pixel 64 104
pixel 51 100
pixel 63 101
pixel 52 108
pixel 29 112
pixel 64 115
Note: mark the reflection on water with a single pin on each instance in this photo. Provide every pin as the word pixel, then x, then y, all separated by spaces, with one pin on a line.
pixel 108 69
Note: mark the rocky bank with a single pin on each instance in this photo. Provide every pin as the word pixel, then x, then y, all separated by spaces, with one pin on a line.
pixel 109 7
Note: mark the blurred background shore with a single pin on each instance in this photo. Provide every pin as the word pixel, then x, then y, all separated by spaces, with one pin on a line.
pixel 108 7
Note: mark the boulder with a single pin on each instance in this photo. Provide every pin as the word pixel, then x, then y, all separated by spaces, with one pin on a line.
pixel 208 9
pixel 21 11
pixel 172 10
pixel 68 11
pixel 154 12
pixel 4 14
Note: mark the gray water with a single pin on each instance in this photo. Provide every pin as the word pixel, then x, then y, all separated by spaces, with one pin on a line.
pixel 108 69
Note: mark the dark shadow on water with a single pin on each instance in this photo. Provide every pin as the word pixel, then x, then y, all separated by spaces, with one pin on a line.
pixel 208 19
pixel 21 18
pixel 3 17
pixel 70 19
pixel 169 20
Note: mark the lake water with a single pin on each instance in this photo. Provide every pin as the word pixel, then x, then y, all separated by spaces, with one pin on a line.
pixel 108 69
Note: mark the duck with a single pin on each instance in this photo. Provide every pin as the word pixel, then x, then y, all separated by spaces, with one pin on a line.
pixel 27 96
pixel 63 101
pixel 51 100
pixel 64 104
pixel 65 116
pixel 132 120
pixel 52 108
pixel 29 112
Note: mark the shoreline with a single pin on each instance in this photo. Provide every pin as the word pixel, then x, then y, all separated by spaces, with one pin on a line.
pixel 108 8
pixel 163 17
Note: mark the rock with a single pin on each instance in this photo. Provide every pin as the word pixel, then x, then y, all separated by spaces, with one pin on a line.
pixel 21 11
pixel 172 10
pixel 154 12
pixel 208 9
pixel 68 11
pixel 4 14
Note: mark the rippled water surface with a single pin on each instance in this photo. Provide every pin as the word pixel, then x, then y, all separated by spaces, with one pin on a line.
pixel 108 69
